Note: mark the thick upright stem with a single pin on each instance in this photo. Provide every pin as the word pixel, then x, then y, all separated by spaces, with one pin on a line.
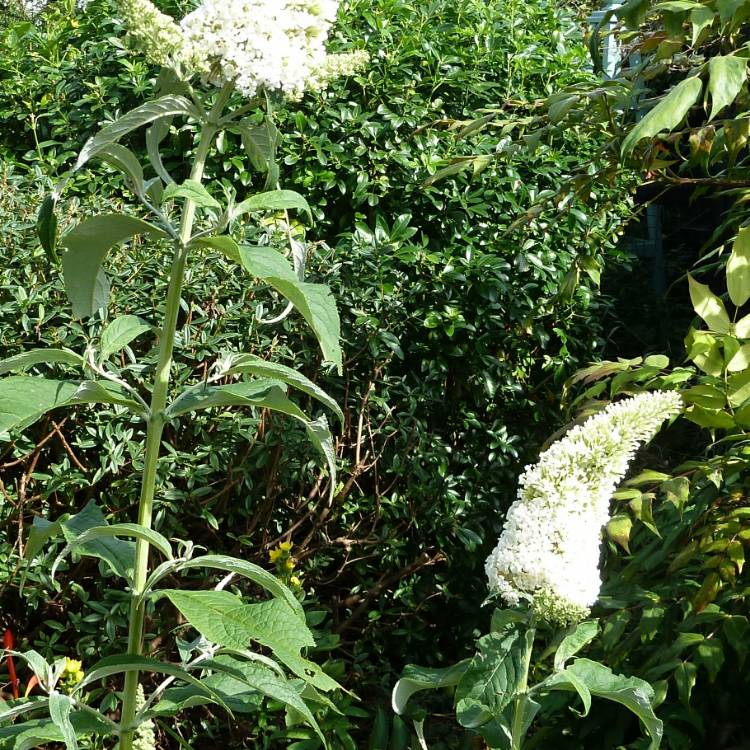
pixel 155 426
pixel 518 730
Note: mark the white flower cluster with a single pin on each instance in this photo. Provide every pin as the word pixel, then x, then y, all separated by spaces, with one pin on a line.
pixel 258 45
pixel 548 552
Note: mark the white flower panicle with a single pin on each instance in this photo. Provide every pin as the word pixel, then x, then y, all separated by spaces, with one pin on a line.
pixel 257 45
pixel 144 737
pixel 548 551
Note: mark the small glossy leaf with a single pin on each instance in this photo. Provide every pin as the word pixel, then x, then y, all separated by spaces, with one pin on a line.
pixel 149 112
pixel 700 18
pixel 87 244
pixel 314 301
pixel 709 307
pixel 40 356
pixel 192 191
pixel 666 115
pixel 738 266
pixel 119 333
pixel 414 679
pixel 685 676
pixel 618 530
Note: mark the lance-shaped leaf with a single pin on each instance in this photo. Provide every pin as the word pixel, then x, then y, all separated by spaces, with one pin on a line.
pixel 708 306
pixel 273 200
pixel 154 136
pixel 249 363
pixel 666 115
pixel 24 399
pixel 414 679
pixel 118 554
pixel 193 191
pixel 46 227
pixel 314 301
pixel 738 269
pixel 224 244
pixel 268 683
pixel 266 394
pixel 598 680
pixel 119 333
pixel 35 733
pixel 126 162
pixel 493 677
pixel 60 708
pixel 250 571
pixel 165 106
pixel 87 244
pixel 727 76
pixel 260 143
pixel 38 357
pixel 124 663
pixel 320 436
pixel 85 540
pixel 105 392
pixel 10 709
pixel 577 637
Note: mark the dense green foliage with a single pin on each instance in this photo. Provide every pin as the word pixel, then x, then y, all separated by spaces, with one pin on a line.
pixel 460 326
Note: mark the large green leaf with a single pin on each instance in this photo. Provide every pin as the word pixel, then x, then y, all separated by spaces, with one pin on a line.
pixel 709 306
pixel 249 363
pixel 492 678
pixel 266 394
pixel 40 356
pixel 24 399
pixel 87 244
pixel 578 637
pixel 738 269
pixel 119 333
pixel 666 115
pixel 223 243
pixel 225 620
pixel 589 677
pixel 266 682
pixel 34 733
pixel 191 190
pixel 60 708
pixel 125 161
pixel 250 571
pixel 273 200
pixel 727 76
pixel 106 532
pixel 314 301
pixel 118 554
pixel 320 436
pixel 124 663
pixel 414 678
pixel 165 106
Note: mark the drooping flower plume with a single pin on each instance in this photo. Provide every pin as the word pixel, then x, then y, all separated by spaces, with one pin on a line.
pixel 257 45
pixel 548 551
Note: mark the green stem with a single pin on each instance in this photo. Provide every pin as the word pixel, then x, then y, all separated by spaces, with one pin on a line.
pixel 519 705
pixel 155 426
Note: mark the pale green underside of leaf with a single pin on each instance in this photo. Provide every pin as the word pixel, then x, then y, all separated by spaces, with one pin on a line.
pixel 314 301
pixel 40 356
pixel 414 679
pixel 87 244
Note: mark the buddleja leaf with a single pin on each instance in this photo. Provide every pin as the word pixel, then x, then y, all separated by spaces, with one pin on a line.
pixel 414 679
pixel 40 356
pixel 313 301
pixel 86 246
pixel 588 677
pixel 492 678
pixel 60 707
pixel 119 333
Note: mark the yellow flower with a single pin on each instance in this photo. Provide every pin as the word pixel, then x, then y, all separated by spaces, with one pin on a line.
pixel 289 564
pixel 295 581
pixel 281 552
pixel 72 671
